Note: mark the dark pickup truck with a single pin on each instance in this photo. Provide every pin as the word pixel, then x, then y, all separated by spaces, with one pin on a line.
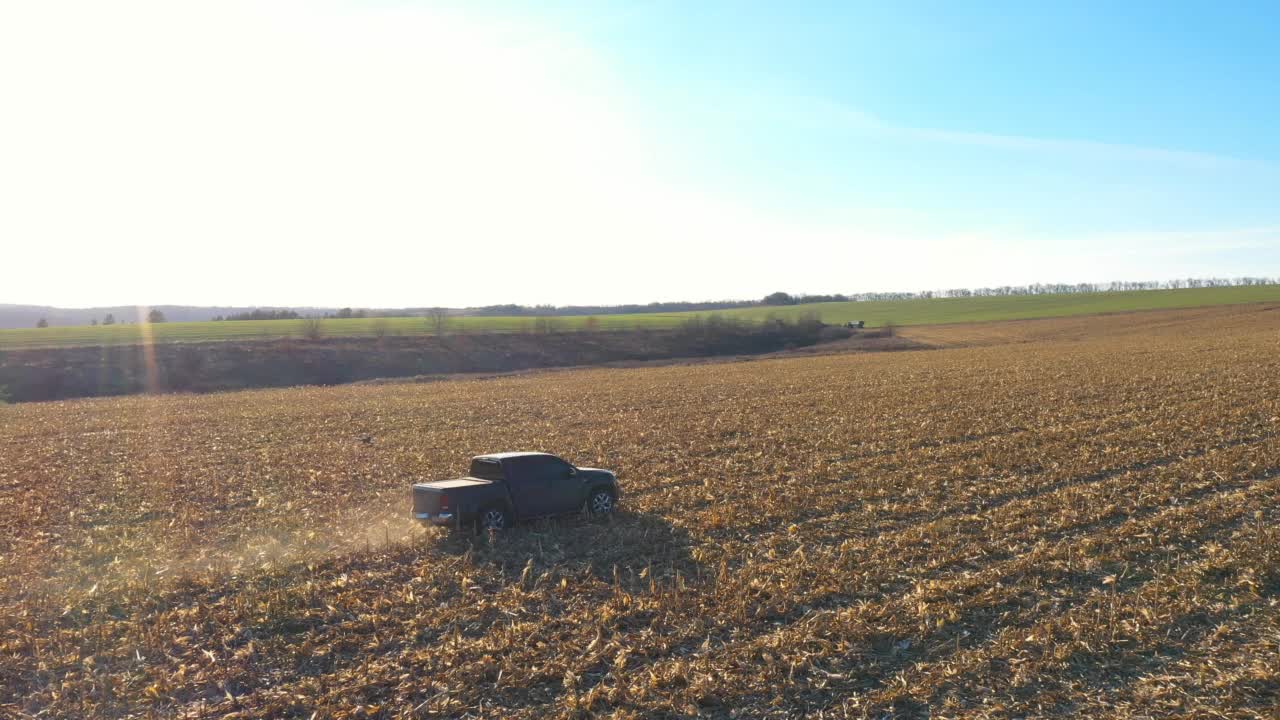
pixel 504 488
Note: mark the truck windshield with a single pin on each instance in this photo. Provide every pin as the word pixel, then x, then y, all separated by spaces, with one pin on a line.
pixel 486 469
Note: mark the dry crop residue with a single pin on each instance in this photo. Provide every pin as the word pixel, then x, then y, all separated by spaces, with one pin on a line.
pixel 1082 528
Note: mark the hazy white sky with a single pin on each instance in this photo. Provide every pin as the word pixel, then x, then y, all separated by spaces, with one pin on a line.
pixel 382 155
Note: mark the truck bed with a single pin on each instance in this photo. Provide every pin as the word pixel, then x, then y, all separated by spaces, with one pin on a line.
pixel 446 502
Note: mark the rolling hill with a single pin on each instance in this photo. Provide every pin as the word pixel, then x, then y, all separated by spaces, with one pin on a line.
pixel 874 313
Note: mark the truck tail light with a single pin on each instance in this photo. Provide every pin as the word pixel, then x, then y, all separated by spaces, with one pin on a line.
pixel 444 501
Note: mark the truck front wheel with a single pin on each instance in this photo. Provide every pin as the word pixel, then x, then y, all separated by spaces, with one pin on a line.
pixel 601 502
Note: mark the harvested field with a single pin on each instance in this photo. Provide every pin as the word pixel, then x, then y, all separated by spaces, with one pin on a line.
pixel 1073 526
pixel 1171 324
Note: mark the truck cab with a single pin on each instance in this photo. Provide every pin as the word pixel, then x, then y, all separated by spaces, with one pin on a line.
pixel 504 488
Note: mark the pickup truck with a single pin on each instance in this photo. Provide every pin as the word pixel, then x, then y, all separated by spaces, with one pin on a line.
pixel 504 488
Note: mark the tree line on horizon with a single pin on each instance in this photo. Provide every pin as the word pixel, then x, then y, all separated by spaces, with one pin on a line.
pixel 1069 288
pixel 438 315
pixel 153 317
pixel 259 314
pixel 784 298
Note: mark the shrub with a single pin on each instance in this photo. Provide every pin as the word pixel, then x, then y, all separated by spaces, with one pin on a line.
pixel 438 320
pixel 312 328
pixel 829 333
pixel 546 325
pixel 809 319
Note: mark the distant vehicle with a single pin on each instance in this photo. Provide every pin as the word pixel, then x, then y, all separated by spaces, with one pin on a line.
pixel 505 488
pixel 855 324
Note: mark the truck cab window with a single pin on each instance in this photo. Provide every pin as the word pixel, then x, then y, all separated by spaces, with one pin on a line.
pixel 486 469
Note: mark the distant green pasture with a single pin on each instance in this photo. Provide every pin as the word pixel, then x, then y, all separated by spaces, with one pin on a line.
pixel 877 313
pixel 940 311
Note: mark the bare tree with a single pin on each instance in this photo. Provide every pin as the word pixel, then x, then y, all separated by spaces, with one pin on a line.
pixel 438 319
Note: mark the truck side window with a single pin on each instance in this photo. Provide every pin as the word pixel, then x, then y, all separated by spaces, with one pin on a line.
pixel 547 469
pixel 520 471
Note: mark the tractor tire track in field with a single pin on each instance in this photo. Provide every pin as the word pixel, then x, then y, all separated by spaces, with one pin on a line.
pixel 1001 567
pixel 978 506
pixel 1171 581
pixel 882 628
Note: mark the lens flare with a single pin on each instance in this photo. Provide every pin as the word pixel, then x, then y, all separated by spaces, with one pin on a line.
pixel 147 350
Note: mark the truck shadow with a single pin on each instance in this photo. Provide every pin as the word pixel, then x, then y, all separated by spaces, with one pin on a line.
pixel 633 550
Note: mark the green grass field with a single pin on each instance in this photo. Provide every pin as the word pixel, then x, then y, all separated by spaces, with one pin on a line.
pixel 899 312
pixel 981 309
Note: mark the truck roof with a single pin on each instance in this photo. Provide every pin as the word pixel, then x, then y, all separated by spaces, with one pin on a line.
pixel 508 455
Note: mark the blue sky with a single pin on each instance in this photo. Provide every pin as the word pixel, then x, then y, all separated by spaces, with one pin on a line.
pixel 1079 116
pixel 377 153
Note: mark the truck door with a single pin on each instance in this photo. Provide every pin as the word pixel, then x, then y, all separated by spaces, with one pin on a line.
pixel 563 488
pixel 528 490
pixel 543 485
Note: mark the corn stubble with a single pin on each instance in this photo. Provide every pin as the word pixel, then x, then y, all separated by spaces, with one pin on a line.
pixel 1083 528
